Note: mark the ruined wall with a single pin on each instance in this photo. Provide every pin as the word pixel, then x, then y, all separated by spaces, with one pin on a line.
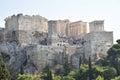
pixel 11 35
pixel 97 44
pixel 52 32
pixel 31 37
pixel 52 28
pixel 97 25
pixel 25 29
pixel 26 23
pixel 34 23
pixel 2 34
pixel 77 29
pixel 11 23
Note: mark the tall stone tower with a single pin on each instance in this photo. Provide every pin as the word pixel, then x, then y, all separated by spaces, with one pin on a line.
pixel 26 23
pixel 56 29
pixel 52 32
pixel 25 29
pixel 97 25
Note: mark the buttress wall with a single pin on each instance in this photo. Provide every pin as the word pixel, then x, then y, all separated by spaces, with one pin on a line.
pixel 25 29
pixel 97 44
pixel 26 23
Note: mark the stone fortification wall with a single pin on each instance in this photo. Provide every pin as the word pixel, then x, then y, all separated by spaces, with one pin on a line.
pixel 11 23
pixel 31 37
pixel 52 28
pixel 2 34
pixel 24 37
pixel 26 29
pixel 26 23
pixel 11 35
pixel 97 43
pixel 52 32
pixel 34 23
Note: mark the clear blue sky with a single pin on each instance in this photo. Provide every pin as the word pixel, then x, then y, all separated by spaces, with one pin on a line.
pixel 86 10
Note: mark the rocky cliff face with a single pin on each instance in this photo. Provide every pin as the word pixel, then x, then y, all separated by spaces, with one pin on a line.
pixel 14 56
pixel 38 56
pixel 33 57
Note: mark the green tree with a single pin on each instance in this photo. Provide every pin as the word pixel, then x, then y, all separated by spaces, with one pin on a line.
pixel 4 73
pixel 29 77
pixel 68 78
pixel 58 69
pixel 56 78
pixel 80 61
pixel 22 69
pixel 82 74
pixel 48 73
pixel 109 73
pixel 99 78
pixel 66 64
pixel 96 70
pixel 118 41
pixel 116 78
pixel 114 56
pixel 90 69
pixel 50 76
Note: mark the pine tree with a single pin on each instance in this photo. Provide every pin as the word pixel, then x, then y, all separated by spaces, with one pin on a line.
pixel 66 64
pixel 80 61
pixel 71 63
pixel 90 69
pixel 4 73
pixel 22 69
pixel 49 73
pixel 114 56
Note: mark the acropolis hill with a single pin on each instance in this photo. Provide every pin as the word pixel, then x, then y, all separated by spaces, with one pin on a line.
pixel 39 41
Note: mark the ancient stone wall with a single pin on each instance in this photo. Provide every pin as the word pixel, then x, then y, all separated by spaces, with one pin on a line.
pixel 11 35
pixel 31 37
pixel 25 29
pixel 2 34
pixel 97 44
pixel 11 23
pixel 52 32
pixel 34 23
pixel 52 28
pixel 26 23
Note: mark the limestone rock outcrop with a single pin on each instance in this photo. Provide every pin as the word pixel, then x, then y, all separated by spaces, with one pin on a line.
pixel 14 56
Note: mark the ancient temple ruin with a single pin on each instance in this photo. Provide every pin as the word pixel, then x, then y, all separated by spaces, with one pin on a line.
pixel 44 40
